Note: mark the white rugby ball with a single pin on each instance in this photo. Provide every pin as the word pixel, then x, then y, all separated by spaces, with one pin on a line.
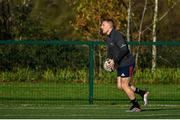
pixel 106 64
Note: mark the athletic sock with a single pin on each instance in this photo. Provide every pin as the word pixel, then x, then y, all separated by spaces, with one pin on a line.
pixel 135 103
pixel 140 92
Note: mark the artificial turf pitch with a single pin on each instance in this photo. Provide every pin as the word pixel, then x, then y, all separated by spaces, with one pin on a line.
pixel 27 111
pixel 53 100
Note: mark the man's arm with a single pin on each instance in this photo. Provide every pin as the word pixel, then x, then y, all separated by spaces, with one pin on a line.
pixel 122 46
pixel 109 53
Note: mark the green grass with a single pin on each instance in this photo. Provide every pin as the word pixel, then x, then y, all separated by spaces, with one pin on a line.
pixel 88 111
pixel 57 100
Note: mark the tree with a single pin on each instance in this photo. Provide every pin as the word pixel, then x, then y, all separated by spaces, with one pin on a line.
pixel 140 30
pixel 90 13
pixel 144 25
pixel 129 21
pixel 154 49
pixel 5 20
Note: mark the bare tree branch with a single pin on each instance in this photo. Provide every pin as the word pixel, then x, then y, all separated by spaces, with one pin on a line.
pixel 142 19
pixel 140 30
pixel 164 15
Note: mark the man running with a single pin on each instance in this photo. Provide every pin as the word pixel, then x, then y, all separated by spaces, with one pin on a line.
pixel 123 61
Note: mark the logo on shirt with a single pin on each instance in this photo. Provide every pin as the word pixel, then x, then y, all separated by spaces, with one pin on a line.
pixel 123 45
pixel 122 74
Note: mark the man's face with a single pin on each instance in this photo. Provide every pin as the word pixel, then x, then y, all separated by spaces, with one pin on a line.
pixel 105 27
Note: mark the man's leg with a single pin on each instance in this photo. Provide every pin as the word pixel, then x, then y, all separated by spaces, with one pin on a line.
pixel 144 94
pixel 122 83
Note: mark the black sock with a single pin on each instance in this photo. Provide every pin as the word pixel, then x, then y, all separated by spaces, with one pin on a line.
pixel 140 92
pixel 135 103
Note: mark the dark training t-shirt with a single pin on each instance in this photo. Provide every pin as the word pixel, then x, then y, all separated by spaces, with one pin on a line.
pixel 117 49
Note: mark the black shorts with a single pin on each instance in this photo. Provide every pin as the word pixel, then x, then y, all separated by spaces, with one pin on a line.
pixel 126 71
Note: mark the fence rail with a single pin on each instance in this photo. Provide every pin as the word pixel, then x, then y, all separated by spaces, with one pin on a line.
pixel 63 42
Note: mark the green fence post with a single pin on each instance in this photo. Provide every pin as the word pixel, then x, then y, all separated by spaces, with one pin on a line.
pixel 91 72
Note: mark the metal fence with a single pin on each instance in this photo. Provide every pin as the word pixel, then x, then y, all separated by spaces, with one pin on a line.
pixel 94 89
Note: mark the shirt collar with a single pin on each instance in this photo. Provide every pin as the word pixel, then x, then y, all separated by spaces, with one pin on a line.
pixel 111 33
